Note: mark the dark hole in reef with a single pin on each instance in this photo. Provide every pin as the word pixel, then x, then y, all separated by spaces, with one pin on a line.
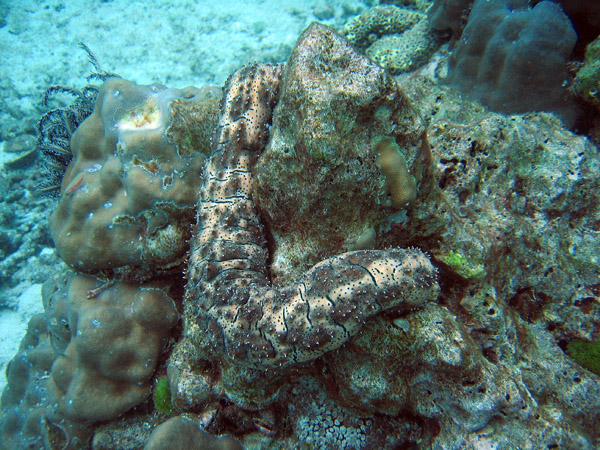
pixel 491 355
pixel 463 196
pixel 528 303
pixel 447 178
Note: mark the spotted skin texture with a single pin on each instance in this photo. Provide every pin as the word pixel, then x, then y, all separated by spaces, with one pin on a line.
pixel 247 319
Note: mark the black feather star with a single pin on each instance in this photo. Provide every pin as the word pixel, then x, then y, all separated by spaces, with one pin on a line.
pixel 57 126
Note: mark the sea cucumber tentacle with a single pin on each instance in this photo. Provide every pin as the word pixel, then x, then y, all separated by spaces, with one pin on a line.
pixel 250 321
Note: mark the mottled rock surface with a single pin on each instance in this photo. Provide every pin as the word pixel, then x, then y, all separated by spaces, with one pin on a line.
pixel 318 184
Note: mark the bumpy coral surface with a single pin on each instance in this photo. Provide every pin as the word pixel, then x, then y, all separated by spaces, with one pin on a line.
pixel 109 338
pixel 397 39
pixel 128 195
pixel 449 14
pixel 376 22
pixel 25 401
pixel 514 59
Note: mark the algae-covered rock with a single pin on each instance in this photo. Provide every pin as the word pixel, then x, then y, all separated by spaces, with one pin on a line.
pixel 587 82
pixel 424 362
pixel 512 220
pixel 320 167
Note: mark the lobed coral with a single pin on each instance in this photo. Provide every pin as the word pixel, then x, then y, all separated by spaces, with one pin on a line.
pixel 514 58
pixel 25 403
pixel 129 193
pixel 449 14
pixel 129 188
pixel 109 338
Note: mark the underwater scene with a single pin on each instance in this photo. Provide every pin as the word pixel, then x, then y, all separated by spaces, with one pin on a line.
pixel 349 224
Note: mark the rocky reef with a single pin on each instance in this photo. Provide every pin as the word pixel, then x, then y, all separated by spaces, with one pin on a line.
pixel 350 260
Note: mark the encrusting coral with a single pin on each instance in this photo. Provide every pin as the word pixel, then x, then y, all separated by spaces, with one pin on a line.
pixel 398 39
pixel 379 21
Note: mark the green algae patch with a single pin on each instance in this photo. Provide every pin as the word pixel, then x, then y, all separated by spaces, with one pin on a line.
pixel 462 266
pixel 587 81
pixel 162 396
pixel 586 354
